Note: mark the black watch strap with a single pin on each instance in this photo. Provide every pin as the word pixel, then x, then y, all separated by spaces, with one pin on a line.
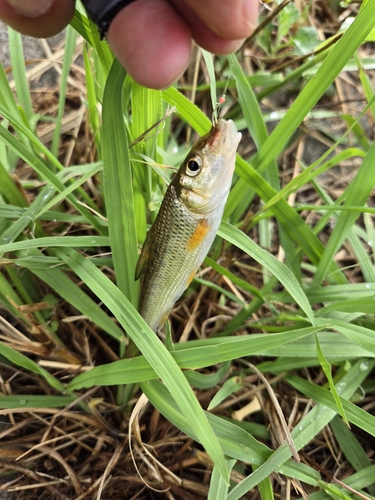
pixel 102 12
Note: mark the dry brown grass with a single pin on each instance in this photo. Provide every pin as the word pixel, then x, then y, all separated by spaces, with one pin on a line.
pixel 85 451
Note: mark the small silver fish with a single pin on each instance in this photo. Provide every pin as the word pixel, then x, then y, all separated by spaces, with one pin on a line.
pixel 187 222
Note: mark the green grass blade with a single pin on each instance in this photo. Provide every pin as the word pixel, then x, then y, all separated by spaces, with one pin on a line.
pixel 8 296
pixel 312 171
pixel 258 131
pixel 57 241
pixel 90 33
pixel 249 105
pixel 189 355
pixel 189 111
pixel 93 114
pixel 334 346
pixel 9 190
pixel 218 486
pixel 365 263
pixel 118 186
pixel 233 278
pixel 73 294
pixel 31 401
pixel 28 217
pixel 265 488
pixel 19 72
pixel 364 337
pixel 7 99
pixel 146 112
pixel 283 274
pixel 366 84
pixel 24 362
pixel 37 164
pixel 351 448
pixel 310 94
pixel 309 426
pixel 289 219
pixel 356 194
pixel 82 25
pixel 327 369
pixel 356 415
pixel 70 45
pixel 209 380
pixel 236 442
pixel 229 387
pixel 151 347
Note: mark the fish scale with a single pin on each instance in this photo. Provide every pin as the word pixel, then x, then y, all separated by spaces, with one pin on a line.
pixel 187 222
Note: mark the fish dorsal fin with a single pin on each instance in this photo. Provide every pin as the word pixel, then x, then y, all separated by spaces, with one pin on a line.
pixel 143 258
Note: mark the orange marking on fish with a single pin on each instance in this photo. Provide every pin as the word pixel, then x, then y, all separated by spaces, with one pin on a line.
pixel 191 277
pixel 198 236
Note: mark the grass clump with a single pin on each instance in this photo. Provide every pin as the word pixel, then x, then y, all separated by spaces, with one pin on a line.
pixel 288 285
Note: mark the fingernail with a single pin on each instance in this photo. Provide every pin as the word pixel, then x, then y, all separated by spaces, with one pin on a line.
pixel 30 8
pixel 251 13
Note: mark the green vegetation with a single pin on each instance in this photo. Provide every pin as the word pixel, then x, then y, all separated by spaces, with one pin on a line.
pixel 289 284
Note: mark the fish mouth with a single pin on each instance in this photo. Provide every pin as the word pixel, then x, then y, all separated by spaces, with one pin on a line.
pixel 225 135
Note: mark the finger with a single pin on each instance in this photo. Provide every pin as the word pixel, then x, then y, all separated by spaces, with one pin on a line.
pixel 152 41
pixel 38 18
pixel 202 34
pixel 232 20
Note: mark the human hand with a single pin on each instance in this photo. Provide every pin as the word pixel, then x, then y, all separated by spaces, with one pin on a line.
pixel 151 38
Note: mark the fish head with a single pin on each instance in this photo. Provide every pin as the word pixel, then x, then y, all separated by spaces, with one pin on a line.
pixel 204 179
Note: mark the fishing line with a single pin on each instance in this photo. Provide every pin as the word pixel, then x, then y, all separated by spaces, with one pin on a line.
pixel 219 103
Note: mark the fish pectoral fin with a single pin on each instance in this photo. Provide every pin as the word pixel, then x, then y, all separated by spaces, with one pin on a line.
pixel 143 258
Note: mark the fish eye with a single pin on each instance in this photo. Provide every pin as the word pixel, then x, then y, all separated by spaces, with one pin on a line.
pixel 194 166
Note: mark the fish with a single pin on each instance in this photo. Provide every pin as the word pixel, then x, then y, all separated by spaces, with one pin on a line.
pixel 187 222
